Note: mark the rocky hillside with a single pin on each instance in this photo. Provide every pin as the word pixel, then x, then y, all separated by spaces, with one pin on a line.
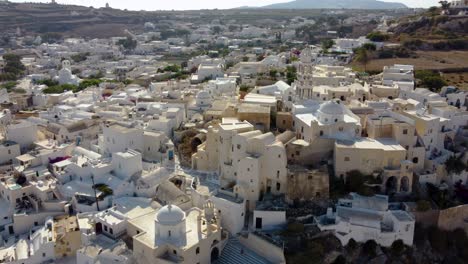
pixel 337 4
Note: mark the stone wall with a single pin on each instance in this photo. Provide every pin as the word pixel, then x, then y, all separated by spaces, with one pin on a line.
pixel 448 219
pixel 453 218
pixel 305 184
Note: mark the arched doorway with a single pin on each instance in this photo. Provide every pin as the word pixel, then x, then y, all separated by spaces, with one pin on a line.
pixel 98 228
pixel 214 254
pixel 404 184
pixel 391 186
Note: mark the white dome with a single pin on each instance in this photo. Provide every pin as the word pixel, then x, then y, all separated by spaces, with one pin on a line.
pixel 170 215
pixel 203 95
pixel 332 108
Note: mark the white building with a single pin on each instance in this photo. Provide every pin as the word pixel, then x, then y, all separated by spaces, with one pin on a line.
pixel 172 235
pixel 330 119
pixel 65 75
pixel 368 218
pixel 24 133
pixel 400 75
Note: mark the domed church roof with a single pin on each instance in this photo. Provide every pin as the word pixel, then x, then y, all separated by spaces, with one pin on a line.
pixel 332 108
pixel 170 215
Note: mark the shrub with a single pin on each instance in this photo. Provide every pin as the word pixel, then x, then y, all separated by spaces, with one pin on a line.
pixel 423 206
pixel 352 245
pixel 398 247
pixel 339 260
pixel 369 248
pixel 377 36
pixel 431 80
pixel 438 239
pixel 295 227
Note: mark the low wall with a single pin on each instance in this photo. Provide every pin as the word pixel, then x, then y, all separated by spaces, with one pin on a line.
pixel 264 248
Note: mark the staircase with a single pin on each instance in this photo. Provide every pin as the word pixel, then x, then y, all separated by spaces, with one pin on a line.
pixel 232 254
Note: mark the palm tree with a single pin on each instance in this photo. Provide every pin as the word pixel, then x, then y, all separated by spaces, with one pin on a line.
pixel 362 57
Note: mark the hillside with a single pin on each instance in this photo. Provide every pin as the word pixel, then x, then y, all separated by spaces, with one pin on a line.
pixel 337 4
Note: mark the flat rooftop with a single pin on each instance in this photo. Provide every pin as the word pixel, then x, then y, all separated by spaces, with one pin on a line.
pixel 386 144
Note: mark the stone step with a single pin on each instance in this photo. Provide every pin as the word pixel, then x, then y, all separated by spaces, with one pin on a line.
pixel 232 254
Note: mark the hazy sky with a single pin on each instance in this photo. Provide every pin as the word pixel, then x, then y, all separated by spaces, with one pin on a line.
pixel 198 4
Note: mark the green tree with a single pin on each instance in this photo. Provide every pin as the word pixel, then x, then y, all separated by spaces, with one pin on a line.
pixel 327 44
pixel 430 79
pixel 216 30
pixel 291 74
pixel 444 4
pixel 362 57
pixel 129 43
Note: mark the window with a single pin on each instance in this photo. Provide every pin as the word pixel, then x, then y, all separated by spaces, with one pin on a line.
pixel 43 255
pixel 169 233
pixel 302 129
pixel 111 231
pixel 197 251
pixel 415 160
pixel 175 252
pixel 405 131
pixel 278 186
pixel 279 156
pixel 238 146
pixel 105 228
pixel 321 133
pixel 346 159
pixel 277 174
pixel 336 120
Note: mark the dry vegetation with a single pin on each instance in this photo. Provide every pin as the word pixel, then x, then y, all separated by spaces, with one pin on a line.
pixel 459 80
pixel 446 61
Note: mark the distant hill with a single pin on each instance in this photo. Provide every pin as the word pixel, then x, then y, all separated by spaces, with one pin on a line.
pixel 336 4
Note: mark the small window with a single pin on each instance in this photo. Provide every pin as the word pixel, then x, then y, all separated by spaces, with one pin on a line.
pixel 278 186
pixel 238 146
pixel 346 159
pixel 175 252
pixel 415 160
pixel 169 233
pixel 43 255
pixel 405 131
pixel 197 251
pixel 277 174
pixel 321 133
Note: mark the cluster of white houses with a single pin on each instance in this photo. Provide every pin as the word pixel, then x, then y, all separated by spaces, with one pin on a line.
pixel 173 171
